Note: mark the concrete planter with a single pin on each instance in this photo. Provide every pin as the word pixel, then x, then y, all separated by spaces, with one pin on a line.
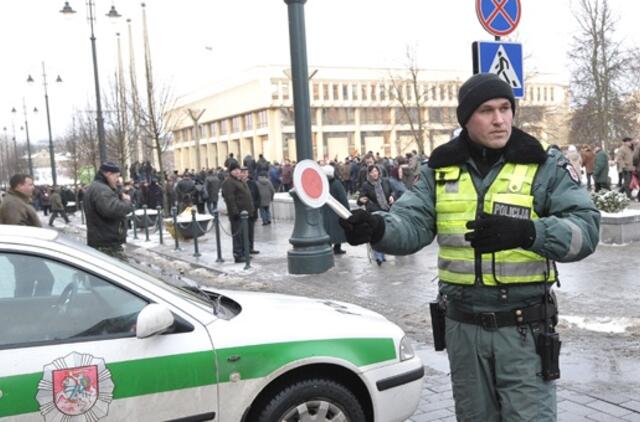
pixel 621 227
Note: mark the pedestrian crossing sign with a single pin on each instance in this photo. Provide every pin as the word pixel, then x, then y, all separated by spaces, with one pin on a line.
pixel 502 58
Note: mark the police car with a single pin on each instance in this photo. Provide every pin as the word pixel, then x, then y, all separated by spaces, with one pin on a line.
pixel 84 337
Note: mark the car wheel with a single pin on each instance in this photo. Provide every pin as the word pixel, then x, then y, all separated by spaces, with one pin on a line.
pixel 313 400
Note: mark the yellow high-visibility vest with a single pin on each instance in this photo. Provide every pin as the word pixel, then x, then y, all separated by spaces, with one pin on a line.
pixel 457 203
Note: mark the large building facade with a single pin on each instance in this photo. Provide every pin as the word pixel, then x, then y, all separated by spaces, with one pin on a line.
pixel 353 111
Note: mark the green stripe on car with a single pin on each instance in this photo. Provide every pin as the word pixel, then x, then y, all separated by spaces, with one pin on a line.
pixel 189 370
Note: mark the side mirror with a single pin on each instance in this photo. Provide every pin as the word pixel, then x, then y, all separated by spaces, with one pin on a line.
pixel 153 319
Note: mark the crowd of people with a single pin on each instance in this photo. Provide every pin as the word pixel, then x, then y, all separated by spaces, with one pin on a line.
pixel 593 162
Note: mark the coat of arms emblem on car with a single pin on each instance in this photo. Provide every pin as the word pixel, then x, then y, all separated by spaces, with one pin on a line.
pixel 77 385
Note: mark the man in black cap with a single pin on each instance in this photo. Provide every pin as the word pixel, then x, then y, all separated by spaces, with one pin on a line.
pixel 504 208
pixel 237 197
pixel 106 211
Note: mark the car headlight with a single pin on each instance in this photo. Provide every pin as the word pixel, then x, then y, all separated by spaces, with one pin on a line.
pixel 406 349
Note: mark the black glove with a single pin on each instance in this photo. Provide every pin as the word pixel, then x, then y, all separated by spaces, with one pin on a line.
pixel 493 233
pixel 363 227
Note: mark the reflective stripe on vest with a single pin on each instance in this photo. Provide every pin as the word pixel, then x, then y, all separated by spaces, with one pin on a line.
pixel 457 203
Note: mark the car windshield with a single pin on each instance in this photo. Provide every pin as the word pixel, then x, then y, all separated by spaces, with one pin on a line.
pixel 181 286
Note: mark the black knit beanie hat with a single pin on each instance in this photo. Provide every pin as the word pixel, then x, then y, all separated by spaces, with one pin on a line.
pixel 110 167
pixel 478 89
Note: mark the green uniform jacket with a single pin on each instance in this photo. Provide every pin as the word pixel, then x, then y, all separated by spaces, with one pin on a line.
pixel 568 227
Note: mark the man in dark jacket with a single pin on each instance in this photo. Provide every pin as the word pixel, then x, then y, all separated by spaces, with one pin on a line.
pixel 245 175
pixel 212 183
pixel 185 192
pixel 17 210
pixel 601 170
pixel 57 206
pixel 237 197
pixel 106 211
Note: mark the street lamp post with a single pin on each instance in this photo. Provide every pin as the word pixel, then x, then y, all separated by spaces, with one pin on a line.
pixel 311 253
pixel 26 130
pixel 52 157
pixel 195 116
pixel 68 11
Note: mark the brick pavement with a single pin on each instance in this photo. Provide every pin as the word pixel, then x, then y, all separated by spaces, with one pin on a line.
pixel 436 404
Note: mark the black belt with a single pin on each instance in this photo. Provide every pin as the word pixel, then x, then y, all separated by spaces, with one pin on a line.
pixel 493 320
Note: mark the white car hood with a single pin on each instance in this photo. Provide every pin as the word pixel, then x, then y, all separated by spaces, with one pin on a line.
pixel 268 318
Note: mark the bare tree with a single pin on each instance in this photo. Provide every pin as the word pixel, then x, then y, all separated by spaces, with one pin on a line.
pixel 602 77
pixel 157 122
pixel 409 94
pixel 120 142
pixel 87 139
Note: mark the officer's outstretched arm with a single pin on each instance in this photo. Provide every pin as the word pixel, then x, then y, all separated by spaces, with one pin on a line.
pixel 410 225
pixel 569 224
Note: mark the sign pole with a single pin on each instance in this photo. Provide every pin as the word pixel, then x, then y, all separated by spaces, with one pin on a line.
pixel 311 253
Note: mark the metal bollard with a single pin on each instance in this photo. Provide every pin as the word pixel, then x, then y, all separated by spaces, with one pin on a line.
pixel 216 221
pixel 146 224
pixel 244 224
pixel 194 223
pixel 159 222
pixel 174 214
pixel 82 212
pixel 134 224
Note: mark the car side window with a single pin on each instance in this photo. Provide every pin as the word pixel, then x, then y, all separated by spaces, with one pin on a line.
pixel 42 300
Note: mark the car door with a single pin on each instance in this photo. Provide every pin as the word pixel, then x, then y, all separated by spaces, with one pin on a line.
pixel 68 349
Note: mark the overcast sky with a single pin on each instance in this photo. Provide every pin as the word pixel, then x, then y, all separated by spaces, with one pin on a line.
pixel 195 42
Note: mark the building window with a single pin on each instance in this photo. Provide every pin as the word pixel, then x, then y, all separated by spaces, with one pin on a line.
pixel 409 88
pixel 274 91
pixel 224 127
pixel 177 136
pixel 450 92
pixel 248 121
pixel 345 91
pixel 545 93
pixel 374 93
pixel 285 90
pixel 334 91
pixel 354 92
pixel 375 116
pixel 325 92
pixel 551 89
pixel 235 124
pixel 435 115
pixel 287 117
pixel 364 88
pixel 383 92
pixel 392 92
pixel 404 116
pixel 262 119
pixel 338 116
pixel 316 92
pixel 442 93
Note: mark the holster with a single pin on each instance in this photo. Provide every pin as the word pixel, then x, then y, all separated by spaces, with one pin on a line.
pixel 548 347
pixel 438 313
pixel 548 343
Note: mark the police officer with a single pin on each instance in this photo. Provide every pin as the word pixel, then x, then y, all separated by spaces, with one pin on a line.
pixel 503 208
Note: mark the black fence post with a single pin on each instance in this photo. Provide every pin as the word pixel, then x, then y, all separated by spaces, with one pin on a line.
pixel 194 225
pixel 146 224
pixel 82 212
pixel 159 216
pixel 216 221
pixel 174 215
pixel 134 224
pixel 244 224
